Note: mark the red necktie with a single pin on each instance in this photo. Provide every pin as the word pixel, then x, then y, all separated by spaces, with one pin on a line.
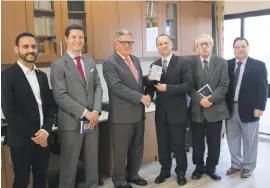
pixel 132 68
pixel 79 66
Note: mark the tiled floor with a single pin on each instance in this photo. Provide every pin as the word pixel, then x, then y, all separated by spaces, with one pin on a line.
pixel 259 179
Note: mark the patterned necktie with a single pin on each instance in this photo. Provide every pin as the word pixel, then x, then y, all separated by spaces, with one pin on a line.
pixel 205 67
pixel 79 67
pixel 132 69
pixel 164 65
pixel 236 74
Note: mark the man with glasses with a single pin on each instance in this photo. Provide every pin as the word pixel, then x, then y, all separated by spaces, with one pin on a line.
pixel 246 100
pixel 207 111
pixel 171 109
pixel 123 74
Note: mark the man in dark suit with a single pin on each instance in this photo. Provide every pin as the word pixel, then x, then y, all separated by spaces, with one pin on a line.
pixel 207 112
pixel 77 90
pixel 171 109
pixel 246 100
pixel 29 108
pixel 123 74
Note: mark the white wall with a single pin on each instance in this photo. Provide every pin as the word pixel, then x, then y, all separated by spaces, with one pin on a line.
pixel 232 7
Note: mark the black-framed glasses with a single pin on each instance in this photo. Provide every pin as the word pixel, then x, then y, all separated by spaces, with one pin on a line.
pixel 130 43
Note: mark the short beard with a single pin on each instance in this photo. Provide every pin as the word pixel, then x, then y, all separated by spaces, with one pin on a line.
pixel 24 57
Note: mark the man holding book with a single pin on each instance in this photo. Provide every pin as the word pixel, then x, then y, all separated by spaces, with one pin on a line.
pixel 171 108
pixel 208 107
pixel 77 90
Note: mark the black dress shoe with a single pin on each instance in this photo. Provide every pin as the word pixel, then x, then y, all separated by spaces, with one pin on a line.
pixel 213 175
pixel 100 181
pixel 196 175
pixel 161 178
pixel 126 185
pixel 181 180
pixel 139 181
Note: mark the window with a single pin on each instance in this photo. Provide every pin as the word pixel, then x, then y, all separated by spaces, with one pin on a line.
pixel 231 31
pixel 257 31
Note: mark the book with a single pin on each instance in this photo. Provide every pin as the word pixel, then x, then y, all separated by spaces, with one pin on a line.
pixel 155 73
pixel 205 90
pixel 84 127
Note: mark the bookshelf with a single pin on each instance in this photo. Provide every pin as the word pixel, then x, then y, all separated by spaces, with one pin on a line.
pixel 44 27
pixel 171 23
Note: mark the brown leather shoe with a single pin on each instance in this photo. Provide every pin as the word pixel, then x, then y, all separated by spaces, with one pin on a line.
pixel 245 173
pixel 232 170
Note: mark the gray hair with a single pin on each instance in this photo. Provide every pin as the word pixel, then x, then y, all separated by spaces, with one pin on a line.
pixel 206 36
pixel 122 32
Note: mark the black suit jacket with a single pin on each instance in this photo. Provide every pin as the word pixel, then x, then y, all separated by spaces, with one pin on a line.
pixel 253 90
pixel 173 102
pixel 20 107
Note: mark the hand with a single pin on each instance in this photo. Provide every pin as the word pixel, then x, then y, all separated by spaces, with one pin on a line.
pixel 161 87
pixel 257 113
pixel 146 100
pixel 205 101
pixel 93 118
pixel 41 138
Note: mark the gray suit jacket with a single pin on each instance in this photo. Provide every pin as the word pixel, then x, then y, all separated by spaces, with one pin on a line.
pixel 218 80
pixel 124 92
pixel 72 94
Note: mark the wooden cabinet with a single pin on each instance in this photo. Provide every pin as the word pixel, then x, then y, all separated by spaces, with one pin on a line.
pixel 196 18
pixel 182 20
pixel 13 17
pixel 48 21
pixel 105 24
pixel 150 151
pixel 130 18
pixel 3 168
pixel 44 20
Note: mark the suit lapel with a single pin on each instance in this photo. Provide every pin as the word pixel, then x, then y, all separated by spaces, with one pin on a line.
pixel 40 82
pixel 172 63
pixel 212 65
pixel 72 67
pixel 87 68
pixel 120 61
pixel 246 71
pixel 200 71
pixel 23 80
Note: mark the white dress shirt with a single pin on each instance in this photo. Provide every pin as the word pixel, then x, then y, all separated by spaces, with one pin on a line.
pixel 33 82
pixel 208 60
pixel 168 59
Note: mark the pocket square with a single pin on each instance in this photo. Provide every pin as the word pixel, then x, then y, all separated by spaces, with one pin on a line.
pixel 92 70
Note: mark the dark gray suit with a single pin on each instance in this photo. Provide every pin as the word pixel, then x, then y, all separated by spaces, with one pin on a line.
pixel 126 115
pixel 208 121
pixel 74 95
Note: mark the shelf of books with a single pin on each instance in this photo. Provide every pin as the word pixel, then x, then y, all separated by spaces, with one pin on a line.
pixel 77 15
pixel 171 23
pixel 44 27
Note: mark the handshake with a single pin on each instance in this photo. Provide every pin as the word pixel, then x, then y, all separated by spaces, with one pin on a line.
pixel 146 100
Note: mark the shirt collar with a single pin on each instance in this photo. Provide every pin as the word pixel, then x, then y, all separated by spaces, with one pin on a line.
pixel 73 56
pixel 208 59
pixel 168 59
pixel 25 69
pixel 124 58
pixel 244 61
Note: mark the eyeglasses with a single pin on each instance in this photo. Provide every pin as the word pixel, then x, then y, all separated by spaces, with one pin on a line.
pixel 240 47
pixel 204 44
pixel 130 43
